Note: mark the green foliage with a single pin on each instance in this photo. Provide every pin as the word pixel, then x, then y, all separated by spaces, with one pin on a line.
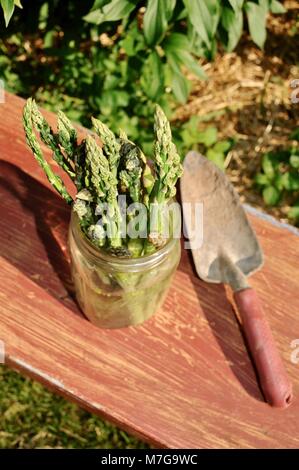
pixel 276 7
pixel 294 212
pixel 279 178
pixel 205 141
pixel 8 7
pixel 115 59
pixel 232 22
pixel 257 12
pixel 155 21
pixel 271 195
pixel 256 15
pixel 111 11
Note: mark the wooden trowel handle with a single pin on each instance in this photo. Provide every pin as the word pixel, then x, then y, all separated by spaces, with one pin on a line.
pixel 272 374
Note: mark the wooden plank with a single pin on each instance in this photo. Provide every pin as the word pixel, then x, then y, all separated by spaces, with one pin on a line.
pixel 183 378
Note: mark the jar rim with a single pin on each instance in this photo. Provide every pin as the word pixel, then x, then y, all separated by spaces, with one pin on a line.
pixel 99 255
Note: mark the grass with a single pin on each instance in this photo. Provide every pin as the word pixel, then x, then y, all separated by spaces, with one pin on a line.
pixel 33 417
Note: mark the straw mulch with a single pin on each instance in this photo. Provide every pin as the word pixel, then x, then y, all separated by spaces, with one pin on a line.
pixel 248 92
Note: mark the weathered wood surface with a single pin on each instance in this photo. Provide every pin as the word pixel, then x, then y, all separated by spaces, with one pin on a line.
pixel 183 379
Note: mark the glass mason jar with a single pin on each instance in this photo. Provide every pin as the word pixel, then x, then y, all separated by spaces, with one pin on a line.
pixel 117 292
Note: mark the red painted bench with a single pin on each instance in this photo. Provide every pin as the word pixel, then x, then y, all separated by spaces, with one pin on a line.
pixel 182 379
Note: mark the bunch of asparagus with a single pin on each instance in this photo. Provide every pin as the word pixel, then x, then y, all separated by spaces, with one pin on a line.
pixel 103 167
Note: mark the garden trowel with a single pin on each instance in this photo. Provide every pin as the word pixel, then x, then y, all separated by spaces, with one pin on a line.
pixel 229 252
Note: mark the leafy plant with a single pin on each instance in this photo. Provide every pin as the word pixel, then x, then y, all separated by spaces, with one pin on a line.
pixel 203 22
pixel 8 7
pixel 205 141
pixel 116 59
pixel 279 179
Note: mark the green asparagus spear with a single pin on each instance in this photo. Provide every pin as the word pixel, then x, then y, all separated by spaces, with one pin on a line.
pixel 67 135
pixel 130 175
pixel 135 175
pixel 167 161
pixel 32 142
pixel 104 183
pixel 51 140
pixel 102 173
pixel 168 169
pixel 111 146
